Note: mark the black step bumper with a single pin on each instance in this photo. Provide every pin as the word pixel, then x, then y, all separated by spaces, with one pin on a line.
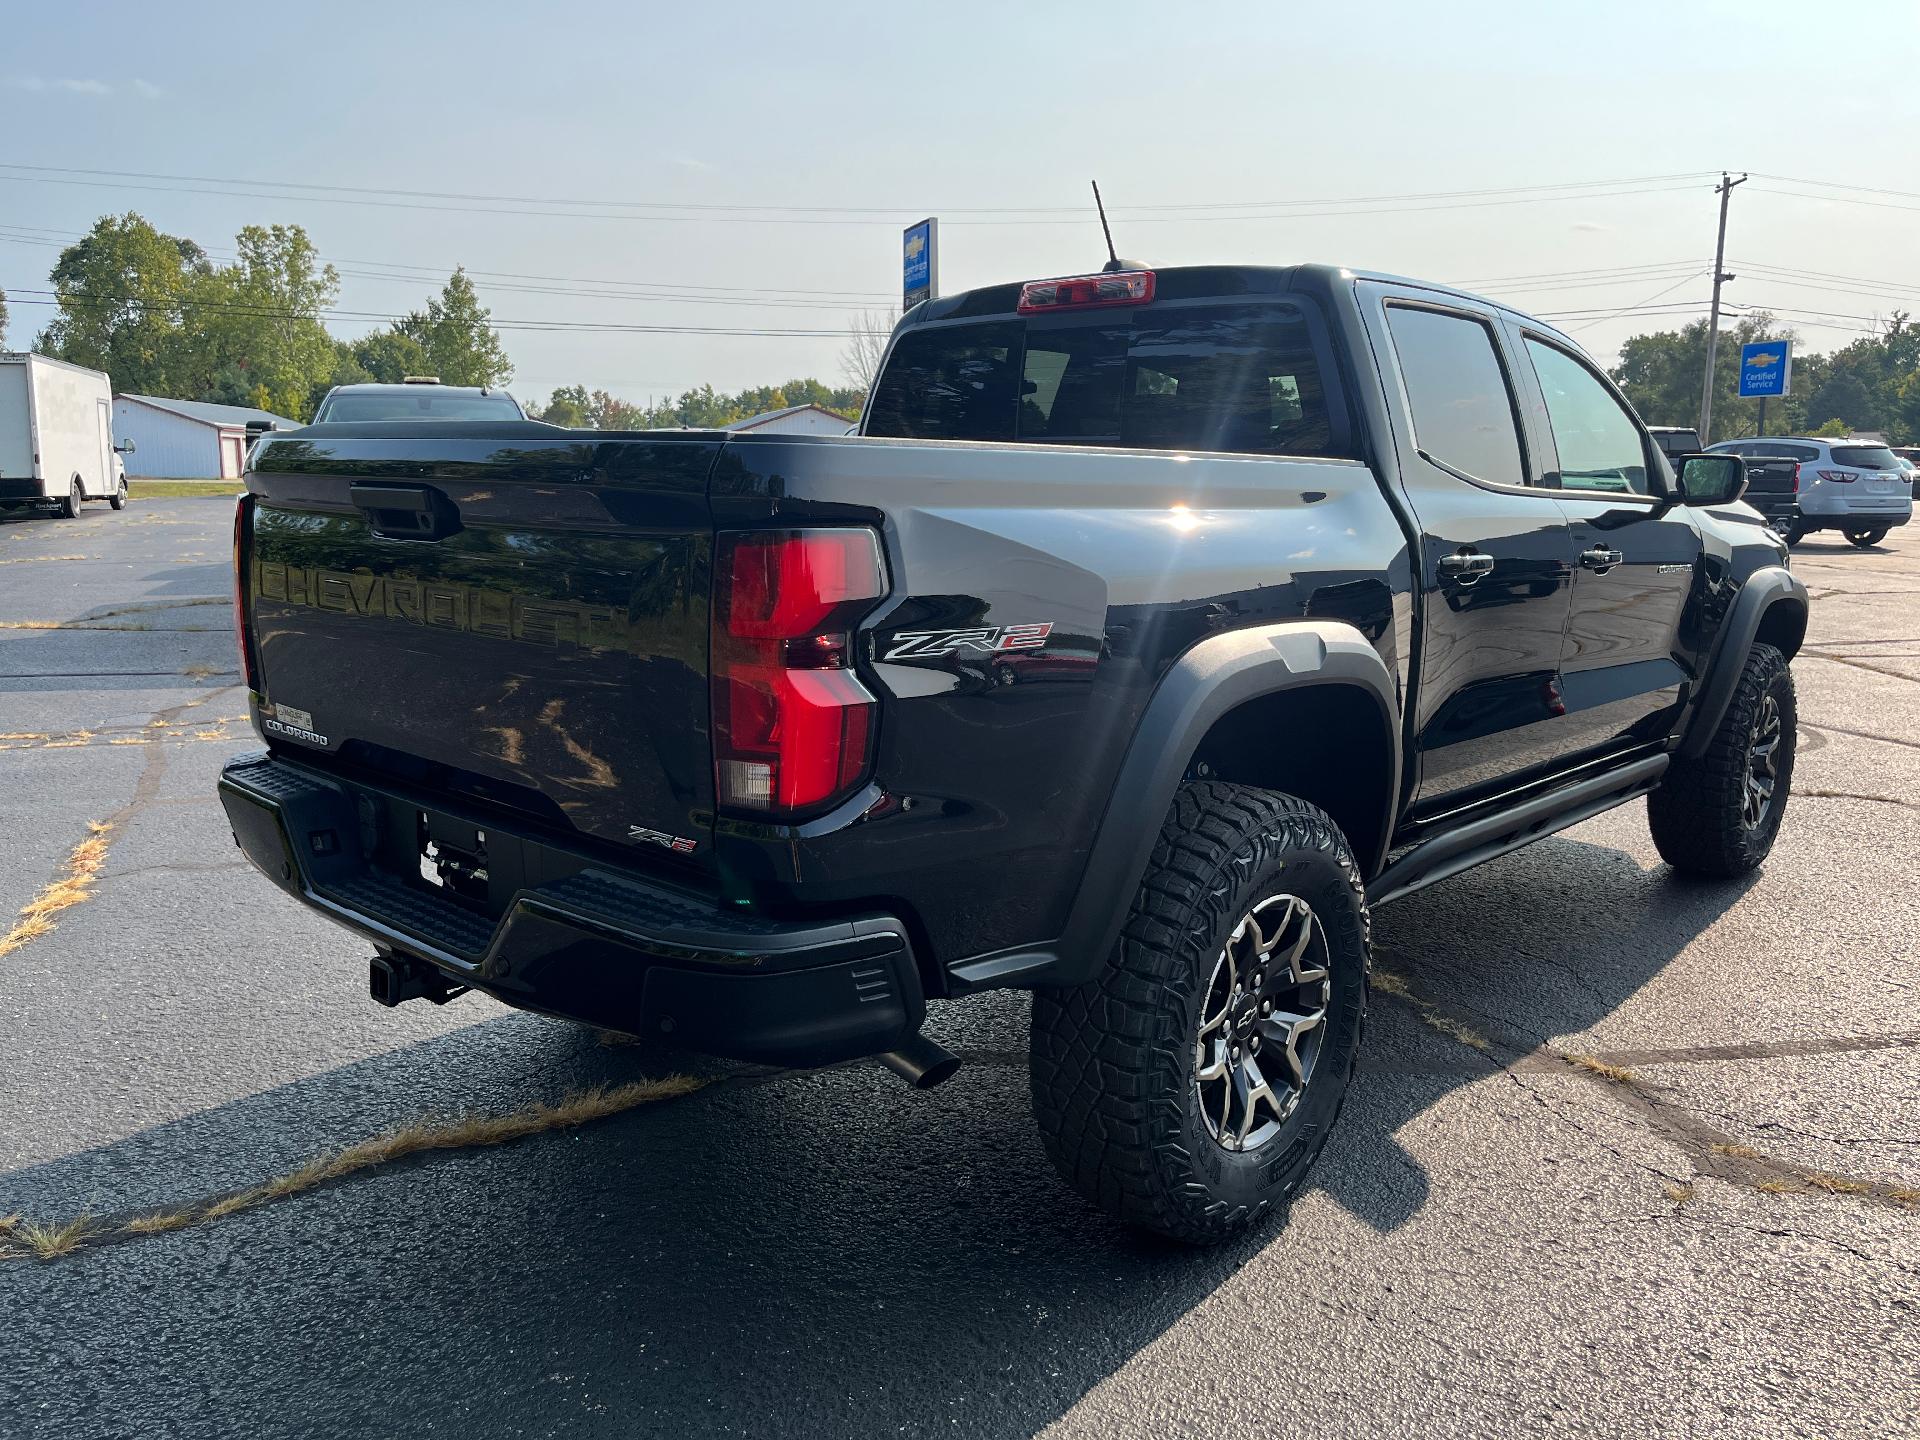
pixel 598 946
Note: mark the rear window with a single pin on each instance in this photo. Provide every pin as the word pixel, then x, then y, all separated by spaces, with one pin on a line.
pixel 1865 457
pixel 427 404
pixel 1677 442
pixel 1239 378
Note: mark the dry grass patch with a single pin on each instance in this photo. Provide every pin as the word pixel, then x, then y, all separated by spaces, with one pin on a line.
pixel 1739 1152
pixel 1837 1184
pixel 50 1242
pixel 1679 1194
pixel 200 670
pixel 160 1223
pixel 1773 1187
pixel 1390 983
pixel 47 1242
pixel 75 885
pixel 1594 1065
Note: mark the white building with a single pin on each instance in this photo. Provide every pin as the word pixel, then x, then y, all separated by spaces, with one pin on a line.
pixel 797 420
pixel 186 439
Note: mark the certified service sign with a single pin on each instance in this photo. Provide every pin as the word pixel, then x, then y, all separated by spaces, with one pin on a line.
pixel 1766 369
pixel 920 268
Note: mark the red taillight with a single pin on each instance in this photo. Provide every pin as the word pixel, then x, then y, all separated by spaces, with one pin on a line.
pixel 1796 477
pixel 1086 292
pixel 242 513
pixel 1837 477
pixel 792 725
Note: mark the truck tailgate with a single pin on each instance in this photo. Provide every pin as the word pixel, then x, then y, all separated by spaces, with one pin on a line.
pixel 1772 475
pixel 513 619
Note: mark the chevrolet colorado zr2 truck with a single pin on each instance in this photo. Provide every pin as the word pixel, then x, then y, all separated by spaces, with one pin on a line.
pixel 1155 627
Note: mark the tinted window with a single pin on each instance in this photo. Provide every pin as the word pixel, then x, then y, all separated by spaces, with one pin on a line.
pixel 955 383
pixel 1677 442
pixel 1236 378
pixel 427 405
pixel 1802 453
pixel 1462 409
pixel 1598 442
pixel 1865 457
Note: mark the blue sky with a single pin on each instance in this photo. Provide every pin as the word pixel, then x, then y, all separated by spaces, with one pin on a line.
pixel 910 110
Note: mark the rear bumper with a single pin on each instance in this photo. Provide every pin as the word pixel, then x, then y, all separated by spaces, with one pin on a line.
pixel 598 945
pixel 1891 511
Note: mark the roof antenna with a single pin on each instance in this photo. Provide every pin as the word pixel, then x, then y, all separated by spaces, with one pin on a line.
pixel 1114 262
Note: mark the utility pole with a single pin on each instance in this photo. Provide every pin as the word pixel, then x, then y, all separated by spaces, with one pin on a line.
pixel 1725 191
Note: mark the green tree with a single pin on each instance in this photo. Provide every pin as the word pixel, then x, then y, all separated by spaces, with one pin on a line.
pixel 254 332
pixel 3 319
pixel 453 329
pixel 121 291
pixel 570 406
pixel 1661 375
pixel 388 356
pixel 1835 429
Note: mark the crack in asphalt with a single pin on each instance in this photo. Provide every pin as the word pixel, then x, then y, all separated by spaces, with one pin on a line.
pixel 1822 726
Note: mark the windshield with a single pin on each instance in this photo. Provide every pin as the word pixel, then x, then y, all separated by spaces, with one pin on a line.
pixel 427 403
pixel 1865 457
pixel 1241 378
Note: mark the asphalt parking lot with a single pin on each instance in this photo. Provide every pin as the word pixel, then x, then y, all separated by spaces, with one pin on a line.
pixel 1628 1155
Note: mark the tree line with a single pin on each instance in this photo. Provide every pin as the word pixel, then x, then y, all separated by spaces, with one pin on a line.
pixel 1871 384
pixel 161 317
pixel 581 409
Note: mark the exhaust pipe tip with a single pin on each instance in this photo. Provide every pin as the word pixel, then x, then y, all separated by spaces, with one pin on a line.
pixel 922 1063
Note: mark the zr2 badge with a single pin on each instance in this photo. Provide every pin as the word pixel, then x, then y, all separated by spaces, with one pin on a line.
pixel 986 640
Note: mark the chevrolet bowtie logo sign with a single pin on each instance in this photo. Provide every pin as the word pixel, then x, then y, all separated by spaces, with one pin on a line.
pixel 916 246
pixel 1762 361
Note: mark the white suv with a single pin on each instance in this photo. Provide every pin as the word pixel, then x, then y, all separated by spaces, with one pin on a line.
pixel 1858 489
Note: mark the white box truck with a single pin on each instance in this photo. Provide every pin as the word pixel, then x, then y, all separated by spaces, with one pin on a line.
pixel 56 436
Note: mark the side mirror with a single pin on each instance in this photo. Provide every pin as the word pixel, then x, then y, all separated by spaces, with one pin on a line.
pixel 125 447
pixel 1711 479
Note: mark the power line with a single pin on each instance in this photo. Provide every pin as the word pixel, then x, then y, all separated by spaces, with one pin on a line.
pixel 1070 212
pixel 1238 211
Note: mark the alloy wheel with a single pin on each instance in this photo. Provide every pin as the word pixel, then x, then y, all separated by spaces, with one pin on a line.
pixel 1262 1023
pixel 1763 764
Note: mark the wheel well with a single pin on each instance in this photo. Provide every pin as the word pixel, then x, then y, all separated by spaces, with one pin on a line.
pixel 1783 625
pixel 1327 744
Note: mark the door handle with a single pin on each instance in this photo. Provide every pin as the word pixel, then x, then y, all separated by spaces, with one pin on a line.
pixel 1601 559
pixel 404 512
pixel 1465 566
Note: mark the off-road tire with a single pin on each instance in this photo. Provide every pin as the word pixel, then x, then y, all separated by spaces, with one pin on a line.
pixel 1113 1060
pixel 1697 815
pixel 1867 539
pixel 70 507
pixel 118 499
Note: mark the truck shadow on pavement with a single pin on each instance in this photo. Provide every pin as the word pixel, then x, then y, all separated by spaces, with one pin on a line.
pixel 804 1254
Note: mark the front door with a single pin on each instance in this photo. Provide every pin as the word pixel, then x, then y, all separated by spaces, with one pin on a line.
pixel 1496 558
pixel 1636 557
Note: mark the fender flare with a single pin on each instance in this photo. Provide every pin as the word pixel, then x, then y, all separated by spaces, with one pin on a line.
pixel 1760 592
pixel 1215 676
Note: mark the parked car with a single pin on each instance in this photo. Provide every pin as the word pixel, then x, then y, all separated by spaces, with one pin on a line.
pixel 56 437
pixel 1249 599
pixel 419 397
pixel 1675 440
pixel 1773 483
pixel 1912 467
pixel 1857 489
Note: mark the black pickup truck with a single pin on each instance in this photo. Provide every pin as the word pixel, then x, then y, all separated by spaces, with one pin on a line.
pixel 1156 626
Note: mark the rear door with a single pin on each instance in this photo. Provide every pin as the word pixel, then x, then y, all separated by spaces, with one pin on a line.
pixel 1496 553
pixel 101 481
pixel 509 621
pixel 1637 558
